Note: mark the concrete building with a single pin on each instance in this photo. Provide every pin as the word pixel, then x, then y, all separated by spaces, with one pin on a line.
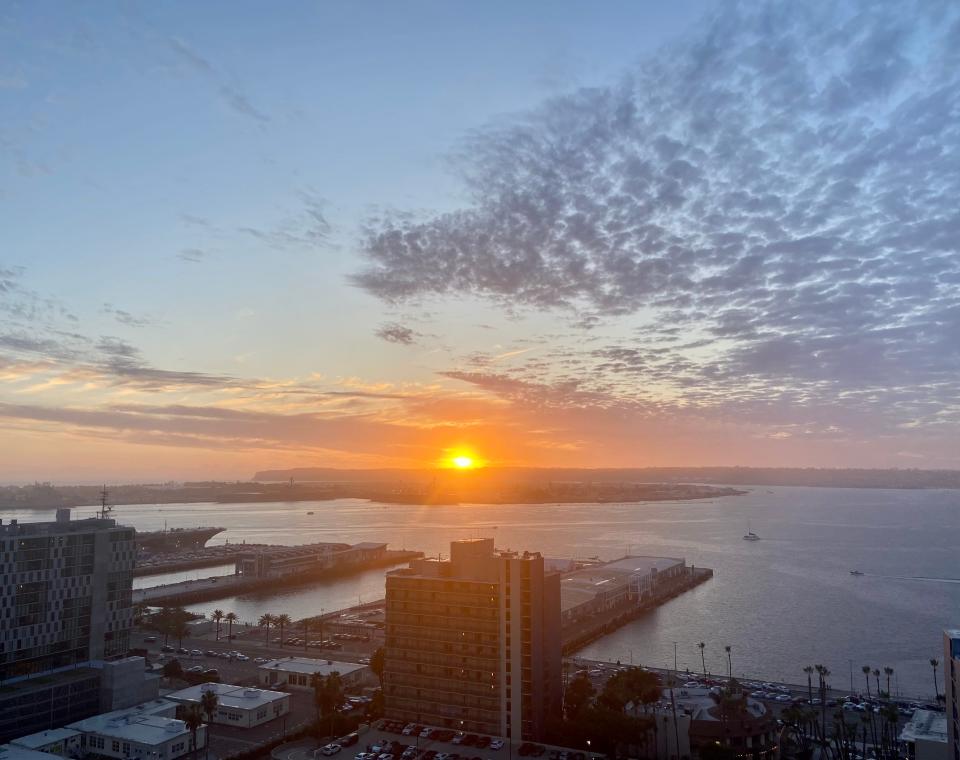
pixel 297 672
pixel 144 732
pixel 66 595
pixel 951 689
pixel 473 643
pixel 56 741
pixel 924 737
pixel 15 752
pixel 239 706
pixel 606 586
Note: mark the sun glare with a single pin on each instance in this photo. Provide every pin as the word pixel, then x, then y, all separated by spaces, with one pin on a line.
pixel 463 462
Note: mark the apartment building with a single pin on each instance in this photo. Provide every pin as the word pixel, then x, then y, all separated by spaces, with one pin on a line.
pixel 66 593
pixel 473 643
pixel 951 690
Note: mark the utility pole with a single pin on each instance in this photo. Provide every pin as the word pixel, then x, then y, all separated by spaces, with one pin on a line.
pixel 674 656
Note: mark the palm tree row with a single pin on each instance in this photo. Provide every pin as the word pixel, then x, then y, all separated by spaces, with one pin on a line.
pixel 887 671
pixel 703 660
pixel 280 621
pixel 217 616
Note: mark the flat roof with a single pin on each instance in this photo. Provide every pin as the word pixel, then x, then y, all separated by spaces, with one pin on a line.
pixel 642 565
pixel 15 752
pixel 228 695
pixel 310 666
pixel 43 738
pixel 925 725
pixel 143 723
pixel 368 545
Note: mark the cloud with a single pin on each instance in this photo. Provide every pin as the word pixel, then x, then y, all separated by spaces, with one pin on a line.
pixel 393 332
pixel 773 198
pixel 125 317
pixel 193 255
pixel 228 93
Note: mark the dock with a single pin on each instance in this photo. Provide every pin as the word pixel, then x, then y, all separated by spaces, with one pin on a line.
pixel 207 589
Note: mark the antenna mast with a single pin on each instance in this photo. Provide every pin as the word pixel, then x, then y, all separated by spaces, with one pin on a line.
pixel 105 509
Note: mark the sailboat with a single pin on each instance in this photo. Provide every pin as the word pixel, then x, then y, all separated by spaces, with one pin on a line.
pixel 750 535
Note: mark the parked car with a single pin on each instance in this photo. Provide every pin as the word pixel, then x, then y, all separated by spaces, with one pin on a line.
pixel 496 744
pixel 168 649
pixel 349 740
pixel 330 749
pixel 150 639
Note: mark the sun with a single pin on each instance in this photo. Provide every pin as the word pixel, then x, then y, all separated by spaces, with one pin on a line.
pixel 463 462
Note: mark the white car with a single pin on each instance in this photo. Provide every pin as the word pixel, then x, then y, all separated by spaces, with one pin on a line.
pixel 364 756
pixel 195 669
pixel 459 738
pixel 242 657
pixel 260 660
pixel 496 744
pixel 330 749
pixel 408 729
pixel 784 698
pixel 425 734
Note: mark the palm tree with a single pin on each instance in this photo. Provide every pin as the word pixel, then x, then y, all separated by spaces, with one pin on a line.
pixel 216 616
pixel 809 671
pixel 729 661
pixel 266 620
pixel 866 677
pixel 231 618
pixel 935 663
pixel 280 621
pixel 823 672
pixel 888 671
pixel 703 660
pixel 208 704
pixel 194 720
pixel 876 674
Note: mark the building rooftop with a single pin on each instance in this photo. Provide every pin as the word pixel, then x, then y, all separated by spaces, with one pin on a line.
pixel 43 738
pixel 699 703
pixel 239 697
pixel 144 724
pixel 17 528
pixel 581 586
pixel 925 725
pixel 367 545
pixel 15 752
pixel 641 565
pixel 310 666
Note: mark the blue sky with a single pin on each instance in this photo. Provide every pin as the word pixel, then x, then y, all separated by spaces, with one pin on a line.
pixel 684 233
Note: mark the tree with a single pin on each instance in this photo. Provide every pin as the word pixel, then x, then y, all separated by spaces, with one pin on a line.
pixel 172 669
pixel 306 629
pixel 888 671
pixel 809 671
pixel 208 704
pixel 876 674
pixel 327 697
pixel 935 663
pixel 194 720
pixel 266 620
pixel 141 611
pixel 866 677
pixel 377 705
pixel 703 660
pixel 231 618
pixel 280 621
pixel 578 695
pixel 378 662
pixel 823 673
pixel 729 661
pixel 216 616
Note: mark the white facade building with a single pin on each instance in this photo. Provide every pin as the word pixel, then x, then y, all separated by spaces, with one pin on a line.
pixel 296 672
pixel 238 706
pixel 925 736
pixel 57 741
pixel 144 732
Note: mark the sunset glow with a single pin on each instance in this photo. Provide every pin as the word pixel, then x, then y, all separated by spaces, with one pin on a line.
pixel 463 462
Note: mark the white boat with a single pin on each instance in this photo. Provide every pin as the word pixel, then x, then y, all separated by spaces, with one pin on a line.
pixel 750 536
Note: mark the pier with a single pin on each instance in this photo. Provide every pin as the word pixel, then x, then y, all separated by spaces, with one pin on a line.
pixel 206 589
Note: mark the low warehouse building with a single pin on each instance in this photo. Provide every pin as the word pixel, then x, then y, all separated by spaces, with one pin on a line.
pixel 297 672
pixel 239 706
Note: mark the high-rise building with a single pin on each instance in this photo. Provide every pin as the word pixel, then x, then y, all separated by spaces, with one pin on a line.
pixel 473 643
pixel 66 593
pixel 951 689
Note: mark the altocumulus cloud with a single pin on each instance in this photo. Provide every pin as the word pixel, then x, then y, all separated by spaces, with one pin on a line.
pixel 781 186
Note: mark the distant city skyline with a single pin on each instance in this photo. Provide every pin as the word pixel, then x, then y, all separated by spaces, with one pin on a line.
pixel 367 235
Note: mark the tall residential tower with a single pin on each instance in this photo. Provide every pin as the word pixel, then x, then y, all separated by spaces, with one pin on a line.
pixel 473 643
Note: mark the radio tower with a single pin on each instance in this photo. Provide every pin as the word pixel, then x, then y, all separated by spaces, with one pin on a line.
pixel 105 509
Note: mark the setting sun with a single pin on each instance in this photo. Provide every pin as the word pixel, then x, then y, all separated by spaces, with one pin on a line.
pixel 463 462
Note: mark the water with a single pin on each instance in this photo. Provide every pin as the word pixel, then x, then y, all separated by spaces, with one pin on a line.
pixel 781 603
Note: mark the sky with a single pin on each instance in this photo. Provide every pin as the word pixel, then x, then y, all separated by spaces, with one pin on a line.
pixel 239 236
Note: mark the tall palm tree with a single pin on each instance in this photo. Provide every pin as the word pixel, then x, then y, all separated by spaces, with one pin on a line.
pixel 809 671
pixel 216 616
pixel 208 704
pixel 231 618
pixel 866 677
pixel 888 671
pixel 280 621
pixel 729 661
pixel 823 672
pixel 194 720
pixel 266 620
pixel 703 660
pixel 876 674
pixel 935 663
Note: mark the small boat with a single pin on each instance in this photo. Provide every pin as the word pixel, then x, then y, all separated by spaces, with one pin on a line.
pixel 309 513
pixel 856 572
pixel 750 536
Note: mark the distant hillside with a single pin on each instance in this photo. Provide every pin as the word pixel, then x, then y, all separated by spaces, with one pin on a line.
pixel 761 476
